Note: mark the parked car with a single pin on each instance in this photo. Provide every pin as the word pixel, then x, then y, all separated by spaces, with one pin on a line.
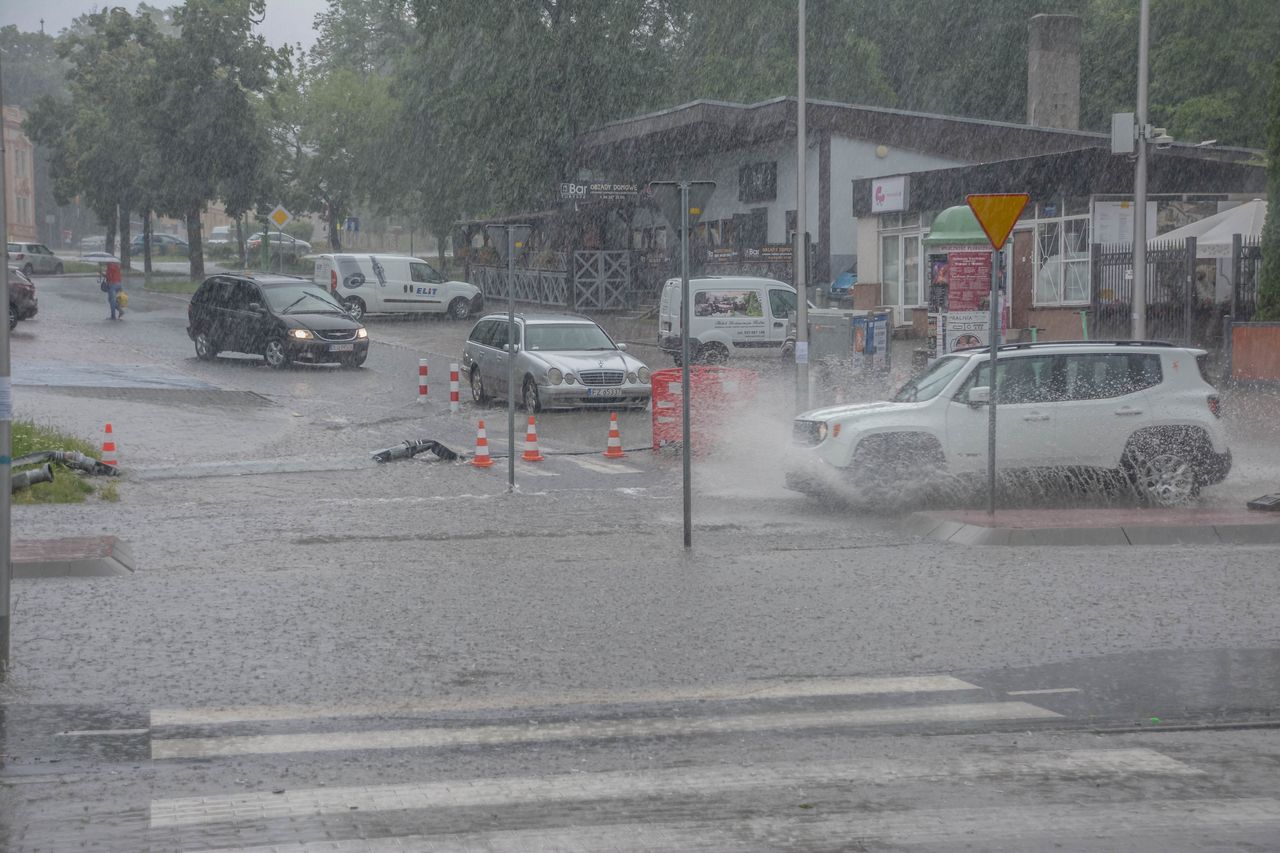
pixel 395 283
pixel 282 318
pixel 562 361
pixel 1141 411
pixel 34 258
pixel 161 244
pixel 22 297
pixel 220 236
pixel 842 285
pixel 280 244
pixel 93 244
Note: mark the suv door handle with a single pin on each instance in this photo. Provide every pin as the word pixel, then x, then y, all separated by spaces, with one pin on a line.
pixel 1127 412
pixel 1035 417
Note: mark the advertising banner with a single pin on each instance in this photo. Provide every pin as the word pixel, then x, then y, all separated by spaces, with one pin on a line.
pixel 968 281
pixel 966 329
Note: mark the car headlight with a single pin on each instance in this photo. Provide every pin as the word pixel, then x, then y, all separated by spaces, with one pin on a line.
pixel 554 376
pixel 362 332
pixel 643 375
pixel 822 432
pixel 569 379
pixel 632 378
pixel 301 334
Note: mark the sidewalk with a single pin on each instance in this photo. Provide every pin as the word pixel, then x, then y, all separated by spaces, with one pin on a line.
pixel 1099 527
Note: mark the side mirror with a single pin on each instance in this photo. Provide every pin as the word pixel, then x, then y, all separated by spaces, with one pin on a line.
pixel 255 307
pixel 980 396
pixel 622 347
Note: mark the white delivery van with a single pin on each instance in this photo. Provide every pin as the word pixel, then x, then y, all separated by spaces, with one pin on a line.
pixel 394 284
pixel 730 316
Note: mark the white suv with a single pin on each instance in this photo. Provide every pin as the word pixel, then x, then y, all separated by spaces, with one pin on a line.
pixel 1140 409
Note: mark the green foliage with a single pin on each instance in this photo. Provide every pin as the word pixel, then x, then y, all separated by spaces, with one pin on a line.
pixel 1269 275
pixel 68 486
pixel 32 67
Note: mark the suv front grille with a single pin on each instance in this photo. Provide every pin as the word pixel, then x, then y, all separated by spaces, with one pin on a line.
pixel 601 377
pixel 336 335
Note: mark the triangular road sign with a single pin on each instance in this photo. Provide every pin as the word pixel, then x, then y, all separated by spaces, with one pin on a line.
pixel 997 214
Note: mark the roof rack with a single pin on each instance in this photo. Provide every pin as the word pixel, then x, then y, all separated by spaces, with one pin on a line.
pixel 1037 344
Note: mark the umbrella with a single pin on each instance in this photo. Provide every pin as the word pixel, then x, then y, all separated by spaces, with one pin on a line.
pixel 1213 233
pixel 99 258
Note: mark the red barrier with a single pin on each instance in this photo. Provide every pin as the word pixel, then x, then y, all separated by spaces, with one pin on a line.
pixel 713 393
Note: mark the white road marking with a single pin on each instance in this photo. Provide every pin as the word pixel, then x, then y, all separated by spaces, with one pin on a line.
pixel 1137 821
pixel 1046 692
pixel 103 732
pixel 602 467
pixel 531 469
pixel 680 782
pixel 437 737
pixel 764 689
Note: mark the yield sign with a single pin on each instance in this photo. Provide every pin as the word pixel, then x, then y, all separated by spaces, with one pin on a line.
pixel 997 214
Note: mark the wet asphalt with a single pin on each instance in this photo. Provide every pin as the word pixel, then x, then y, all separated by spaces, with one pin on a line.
pixel 555 653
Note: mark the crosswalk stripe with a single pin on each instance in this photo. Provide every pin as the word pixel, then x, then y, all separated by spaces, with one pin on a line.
pixel 1096 821
pixel 602 467
pixel 678 782
pixel 764 689
pixel 436 737
pixel 531 470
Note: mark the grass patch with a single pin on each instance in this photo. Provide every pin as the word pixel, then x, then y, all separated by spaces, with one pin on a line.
pixel 166 284
pixel 68 486
pixel 77 267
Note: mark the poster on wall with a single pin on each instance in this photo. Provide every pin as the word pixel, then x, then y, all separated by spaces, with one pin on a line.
pixel 968 281
pixel 965 329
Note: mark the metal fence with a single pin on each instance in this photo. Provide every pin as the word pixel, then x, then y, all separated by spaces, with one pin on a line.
pixel 1173 311
pixel 1246 261
pixel 600 281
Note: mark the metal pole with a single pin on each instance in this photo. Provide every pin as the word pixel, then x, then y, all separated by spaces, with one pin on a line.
pixel 994 336
pixel 800 254
pixel 6 418
pixel 1140 185
pixel 686 449
pixel 511 359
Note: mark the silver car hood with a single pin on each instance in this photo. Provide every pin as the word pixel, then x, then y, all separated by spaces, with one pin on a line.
pixel 576 362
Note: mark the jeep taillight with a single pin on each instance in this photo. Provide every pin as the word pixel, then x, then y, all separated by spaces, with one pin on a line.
pixel 333 280
pixel 1215 405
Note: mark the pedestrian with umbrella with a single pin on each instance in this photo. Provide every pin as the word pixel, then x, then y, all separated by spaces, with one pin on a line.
pixel 111 280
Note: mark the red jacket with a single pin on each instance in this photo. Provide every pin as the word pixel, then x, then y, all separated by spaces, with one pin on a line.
pixel 113 274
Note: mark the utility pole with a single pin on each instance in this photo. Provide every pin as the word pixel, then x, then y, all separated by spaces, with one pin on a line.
pixel 1140 184
pixel 800 254
pixel 6 426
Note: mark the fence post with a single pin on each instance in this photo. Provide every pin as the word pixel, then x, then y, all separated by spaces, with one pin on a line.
pixel 1189 303
pixel 1227 323
pixel 1095 283
pixel 1237 249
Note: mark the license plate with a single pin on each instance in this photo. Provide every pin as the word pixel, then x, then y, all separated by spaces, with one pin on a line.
pixel 604 392
pixel 341 347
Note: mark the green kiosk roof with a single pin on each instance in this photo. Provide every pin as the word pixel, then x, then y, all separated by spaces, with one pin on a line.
pixel 956 226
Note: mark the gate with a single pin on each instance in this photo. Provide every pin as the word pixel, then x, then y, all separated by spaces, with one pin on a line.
pixel 1246 261
pixel 1173 312
pixel 601 280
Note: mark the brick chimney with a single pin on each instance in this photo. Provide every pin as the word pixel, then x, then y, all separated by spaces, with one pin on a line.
pixel 1053 72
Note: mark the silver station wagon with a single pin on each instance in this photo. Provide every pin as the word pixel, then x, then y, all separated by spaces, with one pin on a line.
pixel 563 361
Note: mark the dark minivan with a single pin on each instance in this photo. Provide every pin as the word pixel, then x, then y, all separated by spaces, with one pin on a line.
pixel 281 318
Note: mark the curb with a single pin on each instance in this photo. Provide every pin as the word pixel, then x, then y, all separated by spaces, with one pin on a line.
pixel 938 527
pixel 72 557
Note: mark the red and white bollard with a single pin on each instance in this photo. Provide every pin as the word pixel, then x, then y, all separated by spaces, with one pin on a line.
pixel 454 402
pixel 422 380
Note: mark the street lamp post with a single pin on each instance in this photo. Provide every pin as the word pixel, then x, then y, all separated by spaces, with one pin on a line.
pixel 6 423
pixel 800 254
pixel 1140 184
pixel 514 237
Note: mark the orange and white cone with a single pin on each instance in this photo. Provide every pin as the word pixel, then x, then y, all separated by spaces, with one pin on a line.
pixel 614 449
pixel 108 446
pixel 482 458
pixel 531 452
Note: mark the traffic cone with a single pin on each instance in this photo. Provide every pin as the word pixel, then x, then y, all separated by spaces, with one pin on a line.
pixel 108 447
pixel 614 448
pixel 482 458
pixel 531 453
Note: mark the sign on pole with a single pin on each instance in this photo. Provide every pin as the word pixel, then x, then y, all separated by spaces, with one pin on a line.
pixel 997 213
pixel 280 216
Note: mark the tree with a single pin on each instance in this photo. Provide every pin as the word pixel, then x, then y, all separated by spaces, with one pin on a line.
pixel 1269 275
pixel 32 67
pixel 365 36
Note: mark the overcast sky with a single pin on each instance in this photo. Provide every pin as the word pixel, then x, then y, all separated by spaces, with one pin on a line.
pixel 287 21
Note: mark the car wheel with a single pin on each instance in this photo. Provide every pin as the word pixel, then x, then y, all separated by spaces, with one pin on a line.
pixel 354 306
pixel 532 403
pixel 354 361
pixel 28 270
pixel 478 394
pixel 713 354
pixel 57 269
pixel 460 308
pixel 896 468
pixel 13 316
pixel 276 353
pixel 1167 477
pixel 206 349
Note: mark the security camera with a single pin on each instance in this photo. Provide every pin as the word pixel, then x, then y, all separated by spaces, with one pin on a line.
pixel 1160 138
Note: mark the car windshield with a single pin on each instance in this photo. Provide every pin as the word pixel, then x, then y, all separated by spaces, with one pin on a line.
pixel 929 384
pixel 566 337
pixel 301 299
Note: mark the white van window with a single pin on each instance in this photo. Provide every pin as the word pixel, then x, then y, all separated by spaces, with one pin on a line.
pixel 422 272
pixel 727 303
pixel 782 303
